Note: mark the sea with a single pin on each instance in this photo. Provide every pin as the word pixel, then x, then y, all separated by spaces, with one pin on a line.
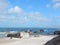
pixel 47 31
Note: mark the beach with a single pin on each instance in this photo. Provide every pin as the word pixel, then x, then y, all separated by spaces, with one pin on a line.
pixel 41 40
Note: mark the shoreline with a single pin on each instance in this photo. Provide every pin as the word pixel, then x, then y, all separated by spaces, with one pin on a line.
pixel 41 40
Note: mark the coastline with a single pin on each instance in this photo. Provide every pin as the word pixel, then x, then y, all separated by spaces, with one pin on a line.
pixel 41 40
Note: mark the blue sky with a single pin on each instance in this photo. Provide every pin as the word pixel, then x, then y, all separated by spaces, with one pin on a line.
pixel 30 13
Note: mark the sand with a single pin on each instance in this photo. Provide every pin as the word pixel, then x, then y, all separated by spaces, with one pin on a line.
pixel 41 40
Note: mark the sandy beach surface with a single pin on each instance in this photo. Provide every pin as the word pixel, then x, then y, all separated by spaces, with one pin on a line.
pixel 41 40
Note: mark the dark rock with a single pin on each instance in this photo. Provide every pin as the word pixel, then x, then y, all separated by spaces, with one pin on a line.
pixel 41 30
pixel 16 35
pixel 57 33
pixel 54 41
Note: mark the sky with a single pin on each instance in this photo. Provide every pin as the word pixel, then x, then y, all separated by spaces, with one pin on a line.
pixel 30 13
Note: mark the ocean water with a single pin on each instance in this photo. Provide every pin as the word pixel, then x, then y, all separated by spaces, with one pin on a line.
pixel 46 30
pixel 2 36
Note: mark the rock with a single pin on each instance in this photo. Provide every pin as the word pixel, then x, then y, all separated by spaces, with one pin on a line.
pixel 16 35
pixel 54 41
pixel 57 33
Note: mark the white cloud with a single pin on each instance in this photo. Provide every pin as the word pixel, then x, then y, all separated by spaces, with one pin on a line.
pixel 32 16
pixel 23 16
pixel 17 16
pixel 56 0
pixel 37 16
pixel 15 9
pixel 57 16
pixel 57 5
pixel 3 5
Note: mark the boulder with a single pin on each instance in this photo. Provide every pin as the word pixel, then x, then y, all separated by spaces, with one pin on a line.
pixel 57 33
